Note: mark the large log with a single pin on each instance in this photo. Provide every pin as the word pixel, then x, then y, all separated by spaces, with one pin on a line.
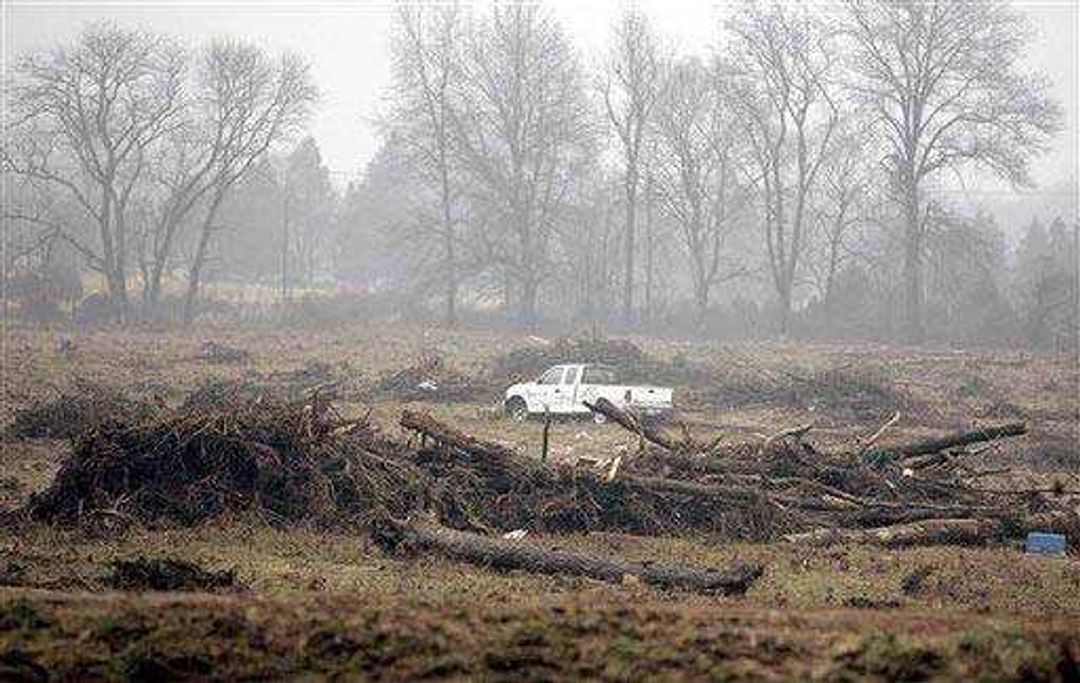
pixel 421 535
pixel 604 407
pixel 961 531
pixel 427 426
pixel 936 445
pixel 926 532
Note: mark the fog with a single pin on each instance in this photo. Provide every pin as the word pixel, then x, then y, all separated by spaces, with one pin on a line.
pixel 740 229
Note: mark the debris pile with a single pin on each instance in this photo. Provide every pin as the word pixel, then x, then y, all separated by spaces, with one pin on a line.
pixel 213 352
pixel 857 394
pixel 291 385
pixel 429 379
pixel 288 462
pixel 302 463
pixel 74 411
pixel 313 375
pixel 909 494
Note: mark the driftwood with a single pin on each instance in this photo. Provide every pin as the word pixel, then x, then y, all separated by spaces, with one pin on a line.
pixel 425 536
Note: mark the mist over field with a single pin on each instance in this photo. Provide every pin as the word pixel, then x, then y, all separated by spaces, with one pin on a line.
pixel 740 172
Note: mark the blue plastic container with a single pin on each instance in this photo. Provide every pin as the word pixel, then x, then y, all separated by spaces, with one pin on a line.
pixel 1039 543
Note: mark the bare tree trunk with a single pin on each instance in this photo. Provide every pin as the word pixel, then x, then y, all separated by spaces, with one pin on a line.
pixel 913 286
pixel 157 269
pixel 194 278
pixel 529 290
pixel 448 235
pixel 785 307
pixel 649 248
pixel 701 302
pixel 628 265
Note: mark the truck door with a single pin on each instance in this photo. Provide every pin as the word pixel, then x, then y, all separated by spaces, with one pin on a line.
pixel 567 400
pixel 549 389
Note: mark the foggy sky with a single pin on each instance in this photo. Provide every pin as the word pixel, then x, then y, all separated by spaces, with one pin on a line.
pixel 348 46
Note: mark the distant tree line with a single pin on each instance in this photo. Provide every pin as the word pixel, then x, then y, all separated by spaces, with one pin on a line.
pixel 786 184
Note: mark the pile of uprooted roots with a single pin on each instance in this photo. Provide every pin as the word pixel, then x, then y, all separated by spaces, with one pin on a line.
pixel 303 463
pixel 290 462
pixel 73 411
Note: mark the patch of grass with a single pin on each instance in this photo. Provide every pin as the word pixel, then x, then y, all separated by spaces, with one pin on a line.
pixel 894 659
pixel 22 614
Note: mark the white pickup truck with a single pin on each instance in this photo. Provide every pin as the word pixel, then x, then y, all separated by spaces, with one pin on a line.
pixel 562 390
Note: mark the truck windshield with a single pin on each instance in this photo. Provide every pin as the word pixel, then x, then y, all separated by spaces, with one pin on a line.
pixel 599 375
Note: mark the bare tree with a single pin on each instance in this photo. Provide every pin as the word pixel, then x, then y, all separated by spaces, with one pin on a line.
pixel 84 120
pixel 631 85
pixel 181 177
pixel 838 209
pixel 426 76
pixel 945 84
pixel 696 181
pixel 784 58
pixel 251 102
pixel 523 137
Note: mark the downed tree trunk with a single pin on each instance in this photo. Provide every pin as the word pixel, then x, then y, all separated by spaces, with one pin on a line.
pixel 929 446
pixel 627 421
pixel 926 532
pixel 429 427
pixel 951 530
pixel 427 536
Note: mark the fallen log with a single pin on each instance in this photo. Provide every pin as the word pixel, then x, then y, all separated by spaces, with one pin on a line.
pixel 960 531
pixel 936 445
pixel 926 532
pixel 426 536
pixel 441 433
pixel 604 407
pixel 797 432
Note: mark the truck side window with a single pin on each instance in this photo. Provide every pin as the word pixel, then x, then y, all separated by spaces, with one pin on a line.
pixel 552 376
pixel 598 375
pixel 571 376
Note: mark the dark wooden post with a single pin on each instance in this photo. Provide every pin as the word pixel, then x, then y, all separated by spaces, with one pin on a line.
pixel 547 429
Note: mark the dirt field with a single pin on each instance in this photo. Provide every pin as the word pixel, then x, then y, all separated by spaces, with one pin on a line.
pixel 331 604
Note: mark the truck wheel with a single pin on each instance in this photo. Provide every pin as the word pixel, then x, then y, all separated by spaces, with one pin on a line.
pixel 516 409
pixel 599 418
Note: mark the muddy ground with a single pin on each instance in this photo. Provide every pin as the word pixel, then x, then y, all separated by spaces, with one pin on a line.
pixel 330 603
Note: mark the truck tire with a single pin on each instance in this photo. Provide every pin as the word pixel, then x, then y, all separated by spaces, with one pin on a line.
pixel 516 409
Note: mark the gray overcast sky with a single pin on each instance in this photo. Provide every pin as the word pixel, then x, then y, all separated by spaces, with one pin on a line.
pixel 347 43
